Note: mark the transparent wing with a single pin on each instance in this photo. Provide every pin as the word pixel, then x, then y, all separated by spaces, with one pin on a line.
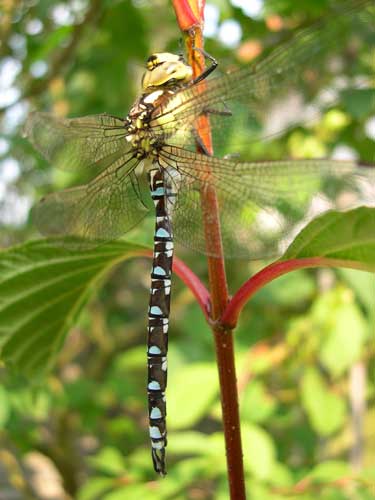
pixel 102 210
pixel 315 59
pixel 78 143
pixel 262 205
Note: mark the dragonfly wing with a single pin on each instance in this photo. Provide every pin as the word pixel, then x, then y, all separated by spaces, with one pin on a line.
pixel 78 143
pixel 100 211
pixel 298 70
pixel 262 205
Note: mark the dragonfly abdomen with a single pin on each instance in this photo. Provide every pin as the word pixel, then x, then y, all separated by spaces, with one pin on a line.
pixel 158 319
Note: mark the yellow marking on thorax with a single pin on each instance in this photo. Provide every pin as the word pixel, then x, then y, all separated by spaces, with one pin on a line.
pixel 139 123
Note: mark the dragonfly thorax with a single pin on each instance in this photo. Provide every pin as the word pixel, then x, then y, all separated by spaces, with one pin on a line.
pixel 141 136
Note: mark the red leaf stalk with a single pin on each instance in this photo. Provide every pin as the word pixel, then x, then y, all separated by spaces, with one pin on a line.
pixel 271 272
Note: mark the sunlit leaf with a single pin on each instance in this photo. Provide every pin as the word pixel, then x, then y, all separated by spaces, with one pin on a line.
pixel 95 488
pixel 4 407
pixel 257 404
pixel 109 460
pixel 326 410
pixel 347 236
pixel 358 101
pixel 363 284
pixel 343 345
pixel 259 451
pixel 195 387
pixel 329 471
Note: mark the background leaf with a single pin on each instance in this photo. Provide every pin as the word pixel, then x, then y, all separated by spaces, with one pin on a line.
pixel 195 387
pixel 261 460
pixel 4 407
pixel 348 236
pixel 325 409
pixel 344 342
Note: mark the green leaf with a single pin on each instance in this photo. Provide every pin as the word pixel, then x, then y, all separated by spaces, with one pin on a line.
pixel 195 388
pixel 344 343
pixel 131 491
pixel 358 102
pixel 325 409
pixel 346 236
pixel 281 475
pixel 4 407
pixel 204 452
pixel 190 443
pixel 109 460
pixel 289 290
pixel 257 405
pixel 43 287
pixel 95 488
pixel 260 452
pixel 329 471
pixel 50 42
pixel 340 328
pixel 367 474
pixel 33 402
pixel 363 285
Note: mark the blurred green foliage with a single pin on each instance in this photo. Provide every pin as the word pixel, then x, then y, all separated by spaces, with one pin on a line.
pixel 305 344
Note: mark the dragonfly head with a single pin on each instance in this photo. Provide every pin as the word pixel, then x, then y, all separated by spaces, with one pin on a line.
pixel 163 69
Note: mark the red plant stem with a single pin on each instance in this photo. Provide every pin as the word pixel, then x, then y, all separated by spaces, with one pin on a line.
pixel 188 13
pixel 219 299
pixel 269 273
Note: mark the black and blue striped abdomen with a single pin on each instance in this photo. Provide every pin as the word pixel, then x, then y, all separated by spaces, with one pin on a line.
pixel 158 319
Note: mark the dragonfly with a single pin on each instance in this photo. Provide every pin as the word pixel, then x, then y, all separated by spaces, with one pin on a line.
pixel 153 161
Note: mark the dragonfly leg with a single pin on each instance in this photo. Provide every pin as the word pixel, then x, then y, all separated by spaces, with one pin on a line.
pixel 208 70
pixel 108 115
pixel 220 112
